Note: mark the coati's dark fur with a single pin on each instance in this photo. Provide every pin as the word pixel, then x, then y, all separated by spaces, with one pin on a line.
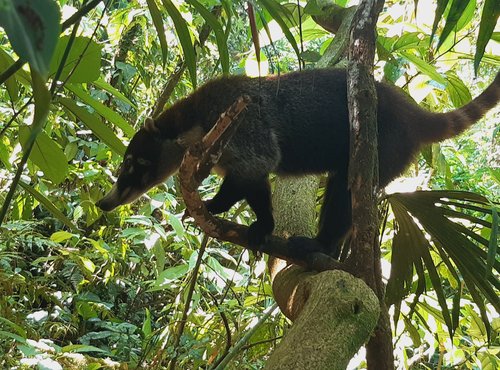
pixel 296 124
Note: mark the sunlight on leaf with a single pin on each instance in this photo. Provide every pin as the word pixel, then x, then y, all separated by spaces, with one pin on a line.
pixel 33 28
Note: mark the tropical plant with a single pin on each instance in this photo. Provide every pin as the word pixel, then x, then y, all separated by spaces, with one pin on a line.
pixel 79 286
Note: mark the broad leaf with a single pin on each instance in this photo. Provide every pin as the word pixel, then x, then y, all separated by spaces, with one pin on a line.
pixel 425 68
pixel 49 205
pixel 441 7
pixel 103 132
pixel 33 28
pixel 113 91
pixel 456 10
pixel 46 154
pixel 284 18
pixel 106 112
pixel 5 62
pixel 459 93
pixel 83 63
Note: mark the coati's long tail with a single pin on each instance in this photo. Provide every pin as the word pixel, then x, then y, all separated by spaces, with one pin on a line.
pixel 454 122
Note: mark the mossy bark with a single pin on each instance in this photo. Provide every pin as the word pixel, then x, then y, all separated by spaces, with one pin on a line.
pixel 333 312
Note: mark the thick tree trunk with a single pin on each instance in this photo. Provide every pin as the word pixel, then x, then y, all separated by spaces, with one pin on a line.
pixel 334 313
pixel 363 173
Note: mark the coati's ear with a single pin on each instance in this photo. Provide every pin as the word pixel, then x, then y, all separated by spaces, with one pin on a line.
pixel 191 136
pixel 150 126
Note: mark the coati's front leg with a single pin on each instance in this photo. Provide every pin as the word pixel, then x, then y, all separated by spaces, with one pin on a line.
pixel 258 196
pixel 257 192
pixel 230 192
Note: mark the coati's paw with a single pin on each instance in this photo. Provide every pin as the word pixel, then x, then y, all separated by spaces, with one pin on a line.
pixel 300 246
pixel 209 204
pixel 215 207
pixel 258 232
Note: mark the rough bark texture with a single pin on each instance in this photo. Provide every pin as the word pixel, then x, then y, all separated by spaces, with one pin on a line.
pixel 333 312
pixel 363 172
pixel 338 315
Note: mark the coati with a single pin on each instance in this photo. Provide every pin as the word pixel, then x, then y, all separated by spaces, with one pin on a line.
pixel 296 124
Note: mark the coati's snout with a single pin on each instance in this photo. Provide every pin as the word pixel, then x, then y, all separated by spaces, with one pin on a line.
pixel 148 161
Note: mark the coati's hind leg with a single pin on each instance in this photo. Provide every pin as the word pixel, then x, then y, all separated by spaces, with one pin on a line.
pixel 257 192
pixel 335 218
pixel 334 221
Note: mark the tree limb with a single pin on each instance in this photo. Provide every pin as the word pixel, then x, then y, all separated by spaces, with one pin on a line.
pixel 363 173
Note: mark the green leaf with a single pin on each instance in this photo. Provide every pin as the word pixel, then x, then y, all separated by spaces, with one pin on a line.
pixel 456 10
pixel 493 244
pixel 441 7
pixel 176 224
pixel 425 68
pixel 437 217
pixel 88 264
pixel 220 37
pixel 81 348
pixel 5 152
pixel 49 205
pixel 277 11
pixel 61 236
pixel 406 250
pixel 489 17
pixel 42 105
pixel 184 37
pixel 158 23
pixel 147 327
pixel 33 28
pixel 83 63
pixel 459 93
pixel 113 91
pixel 169 275
pixel 106 112
pixel 406 41
pixel 6 334
pixel 103 132
pixel 412 330
pixel 46 154
pixel 12 325
pixel 5 62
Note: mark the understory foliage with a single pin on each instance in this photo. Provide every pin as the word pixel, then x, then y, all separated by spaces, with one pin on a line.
pixel 141 286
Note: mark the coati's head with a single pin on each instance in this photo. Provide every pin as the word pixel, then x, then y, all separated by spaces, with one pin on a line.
pixel 149 160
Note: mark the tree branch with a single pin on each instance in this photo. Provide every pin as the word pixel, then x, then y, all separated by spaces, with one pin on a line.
pixel 363 173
